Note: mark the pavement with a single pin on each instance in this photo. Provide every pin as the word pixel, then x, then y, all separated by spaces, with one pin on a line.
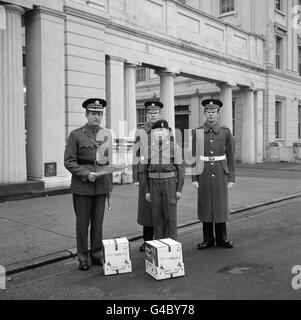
pixel 38 231
pixel 267 248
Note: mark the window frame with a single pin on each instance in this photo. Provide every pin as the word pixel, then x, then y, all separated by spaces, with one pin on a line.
pixel 299 60
pixel 278 119
pixel 141 116
pixel 299 121
pixel 225 4
pixel 234 118
pixel 279 62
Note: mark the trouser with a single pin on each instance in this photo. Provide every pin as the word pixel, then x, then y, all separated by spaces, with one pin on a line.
pixel 164 208
pixel 89 210
pixel 148 233
pixel 220 232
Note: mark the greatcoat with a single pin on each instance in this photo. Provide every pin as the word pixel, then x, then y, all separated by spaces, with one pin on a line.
pixel 144 216
pixel 213 181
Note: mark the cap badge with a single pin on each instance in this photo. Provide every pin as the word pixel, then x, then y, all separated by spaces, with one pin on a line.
pixel 97 103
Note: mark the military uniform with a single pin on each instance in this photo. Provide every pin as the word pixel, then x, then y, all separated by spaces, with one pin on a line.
pixel 144 217
pixel 218 171
pixel 164 176
pixel 89 198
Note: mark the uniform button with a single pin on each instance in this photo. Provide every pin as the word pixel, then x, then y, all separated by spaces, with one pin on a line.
pixel 212 163
pixel 211 152
pixel 211 141
pixel 213 176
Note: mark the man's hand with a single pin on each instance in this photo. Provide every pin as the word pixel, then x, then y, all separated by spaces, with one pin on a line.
pixel 230 185
pixel 148 197
pixel 92 176
pixel 136 184
pixel 179 195
pixel 195 184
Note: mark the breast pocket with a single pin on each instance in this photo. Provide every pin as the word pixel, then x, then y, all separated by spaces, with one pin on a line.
pixel 86 150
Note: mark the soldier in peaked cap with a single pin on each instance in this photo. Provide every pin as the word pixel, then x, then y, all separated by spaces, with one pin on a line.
pixel 164 176
pixel 144 218
pixel 89 192
pixel 217 177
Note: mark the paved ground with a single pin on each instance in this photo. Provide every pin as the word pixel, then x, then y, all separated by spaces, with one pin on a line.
pixel 267 246
pixel 43 226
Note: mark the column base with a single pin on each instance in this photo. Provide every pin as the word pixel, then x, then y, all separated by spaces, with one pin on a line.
pixel 54 182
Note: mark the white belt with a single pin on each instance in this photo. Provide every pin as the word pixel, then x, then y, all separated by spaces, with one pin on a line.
pixel 213 159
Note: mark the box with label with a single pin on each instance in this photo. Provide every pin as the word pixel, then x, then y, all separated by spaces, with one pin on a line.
pixel 164 259
pixel 117 259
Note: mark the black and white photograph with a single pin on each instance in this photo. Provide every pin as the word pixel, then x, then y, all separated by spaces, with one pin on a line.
pixel 150 153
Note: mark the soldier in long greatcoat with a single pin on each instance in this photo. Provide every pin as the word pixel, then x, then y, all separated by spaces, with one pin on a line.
pixel 217 177
pixel 89 191
pixel 144 217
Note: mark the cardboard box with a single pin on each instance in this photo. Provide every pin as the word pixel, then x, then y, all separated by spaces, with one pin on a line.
pixel 117 259
pixel 164 259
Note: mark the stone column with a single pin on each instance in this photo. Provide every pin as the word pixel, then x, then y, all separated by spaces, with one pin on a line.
pixel 259 112
pixel 130 98
pixel 226 113
pixel 115 95
pixel 196 109
pixel 45 66
pixel 12 122
pixel 167 96
pixel 248 127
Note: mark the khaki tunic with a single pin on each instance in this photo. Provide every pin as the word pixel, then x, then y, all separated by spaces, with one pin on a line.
pixel 167 159
pixel 213 182
pixel 79 159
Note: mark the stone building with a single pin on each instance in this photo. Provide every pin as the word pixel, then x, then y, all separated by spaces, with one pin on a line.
pixel 57 53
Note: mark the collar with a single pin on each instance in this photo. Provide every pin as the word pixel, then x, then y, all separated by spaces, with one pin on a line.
pixel 91 128
pixel 216 127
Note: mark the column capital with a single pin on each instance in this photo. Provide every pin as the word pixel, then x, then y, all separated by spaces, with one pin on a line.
pixel 248 88
pixel 225 85
pixel 117 59
pixel 14 9
pixel 165 72
pixel 130 65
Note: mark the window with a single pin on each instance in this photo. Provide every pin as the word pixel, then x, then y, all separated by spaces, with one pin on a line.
pixel 278 52
pixel 278 107
pixel 299 122
pixel 227 6
pixel 141 117
pixel 141 75
pixel 279 5
pixel 299 60
pixel 233 118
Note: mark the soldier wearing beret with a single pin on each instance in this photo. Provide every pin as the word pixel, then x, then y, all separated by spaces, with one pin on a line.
pixel 164 176
pixel 217 177
pixel 153 112
pixel 89 191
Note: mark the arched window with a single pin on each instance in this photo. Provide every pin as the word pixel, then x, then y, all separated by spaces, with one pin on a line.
pixel 2 18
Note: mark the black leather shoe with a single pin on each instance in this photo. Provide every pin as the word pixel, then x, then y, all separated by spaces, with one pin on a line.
pixel 83 266
pixel 142 248
pixel 96 262
pixel 205 245
pixel 226 245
